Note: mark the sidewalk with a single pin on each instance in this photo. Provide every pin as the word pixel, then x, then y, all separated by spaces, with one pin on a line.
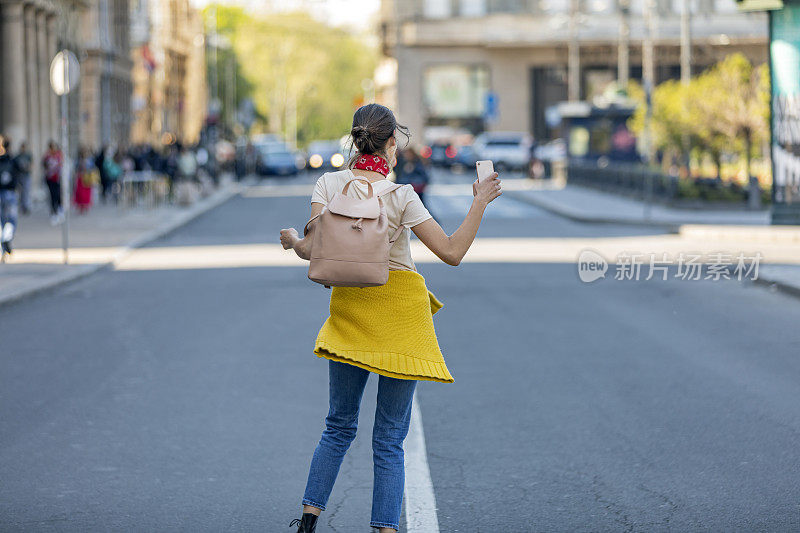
pixel 741 226
pixel 102 237
pixel 588 205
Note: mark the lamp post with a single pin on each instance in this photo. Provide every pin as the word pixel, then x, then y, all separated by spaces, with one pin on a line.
pixel 573 54
pixel 64 75
pixel 686 67
pixel 624 46
pixel 648 75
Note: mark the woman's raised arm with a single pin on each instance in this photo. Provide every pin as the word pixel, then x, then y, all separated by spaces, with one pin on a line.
pixel 452 249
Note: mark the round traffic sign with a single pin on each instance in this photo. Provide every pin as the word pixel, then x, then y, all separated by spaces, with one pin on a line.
pixel 65 71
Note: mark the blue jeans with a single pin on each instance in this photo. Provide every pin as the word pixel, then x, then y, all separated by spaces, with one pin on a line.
pixel 392 417
pixel 8 207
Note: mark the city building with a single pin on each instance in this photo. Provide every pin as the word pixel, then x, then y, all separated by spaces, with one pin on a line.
pixel 105 86
pixel 169 82
pixel 499 64
pixel 30 35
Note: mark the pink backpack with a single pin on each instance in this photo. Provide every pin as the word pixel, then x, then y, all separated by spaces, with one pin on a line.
pixel 350 242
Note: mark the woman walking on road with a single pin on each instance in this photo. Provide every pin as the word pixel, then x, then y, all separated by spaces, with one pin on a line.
pixel 86 176
pixel 52 162
pixel 386 330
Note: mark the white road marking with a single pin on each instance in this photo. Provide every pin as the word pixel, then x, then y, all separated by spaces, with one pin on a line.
pixel 483 250
pixel 420 499
pixel 457 206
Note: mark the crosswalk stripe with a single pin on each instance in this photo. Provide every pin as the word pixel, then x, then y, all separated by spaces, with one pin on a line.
pixel 449 206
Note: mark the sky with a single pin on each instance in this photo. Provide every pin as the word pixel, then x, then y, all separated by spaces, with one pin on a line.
pixel 357 14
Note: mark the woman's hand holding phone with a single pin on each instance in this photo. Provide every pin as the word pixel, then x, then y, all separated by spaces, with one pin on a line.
pixel 487 187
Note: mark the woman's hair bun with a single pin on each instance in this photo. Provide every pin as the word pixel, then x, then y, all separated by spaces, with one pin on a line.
pixel 359 131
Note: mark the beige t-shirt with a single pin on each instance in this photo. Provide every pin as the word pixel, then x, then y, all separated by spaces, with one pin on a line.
pixel 403 206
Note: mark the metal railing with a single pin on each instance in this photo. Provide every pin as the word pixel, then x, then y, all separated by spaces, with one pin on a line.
pixel 631 179
pixel 142 188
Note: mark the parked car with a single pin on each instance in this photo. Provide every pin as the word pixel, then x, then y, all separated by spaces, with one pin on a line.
pixel 544 155
pixel 507 149
pixel 326 155
pixel 466 156
pixel 277 159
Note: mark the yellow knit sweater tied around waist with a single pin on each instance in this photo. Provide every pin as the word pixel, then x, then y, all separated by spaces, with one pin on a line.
pixel 386 329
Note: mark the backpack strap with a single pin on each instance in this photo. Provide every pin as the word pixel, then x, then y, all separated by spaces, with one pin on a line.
pixel 397 232
pixel 391 188
pixel 312 219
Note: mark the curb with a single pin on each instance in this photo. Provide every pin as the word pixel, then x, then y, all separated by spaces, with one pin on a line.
pixel 672 227
pixel 82 271
pixel 781 286
pixel 789 235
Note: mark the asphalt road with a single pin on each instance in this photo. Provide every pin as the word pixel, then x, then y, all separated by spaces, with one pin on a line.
pixel 189 399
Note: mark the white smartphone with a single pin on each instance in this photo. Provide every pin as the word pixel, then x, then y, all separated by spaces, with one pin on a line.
pixel 485 169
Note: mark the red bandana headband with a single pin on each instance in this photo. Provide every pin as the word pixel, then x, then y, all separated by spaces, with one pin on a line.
pixel 371 162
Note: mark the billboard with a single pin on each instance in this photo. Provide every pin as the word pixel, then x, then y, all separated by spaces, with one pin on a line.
pixel 785 74
pixel 455 90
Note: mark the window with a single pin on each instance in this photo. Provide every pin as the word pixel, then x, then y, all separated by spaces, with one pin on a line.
pixel 473 8
pixel 455 90
pixel 436 9
pixel 507 6
pixel 578 141
pixel 725 6
pixel 600 6
pixel 555 6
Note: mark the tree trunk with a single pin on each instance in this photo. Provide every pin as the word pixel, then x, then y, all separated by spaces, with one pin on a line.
pixel 748 146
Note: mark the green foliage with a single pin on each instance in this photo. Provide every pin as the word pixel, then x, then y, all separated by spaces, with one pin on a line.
pixel 725 110
pixel 290 60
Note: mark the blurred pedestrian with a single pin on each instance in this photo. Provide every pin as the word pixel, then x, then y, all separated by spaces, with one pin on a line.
pixel 187 164
pixel 23 162
pixel 413 171
pixel 86 177
pixel 170 168
pixel 99 159
pixel 53 162
pixel 112 171
pixel 386 329
pixel 8 195
pixel 186 189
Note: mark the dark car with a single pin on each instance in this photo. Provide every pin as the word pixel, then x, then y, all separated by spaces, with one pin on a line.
pixel 325 155
pixel 441 154
pixel 276 159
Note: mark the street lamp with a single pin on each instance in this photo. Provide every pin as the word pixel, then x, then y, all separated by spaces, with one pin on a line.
pixel 64 76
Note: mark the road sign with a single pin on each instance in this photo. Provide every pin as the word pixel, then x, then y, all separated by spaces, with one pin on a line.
pixel 490 107
pixel 65 72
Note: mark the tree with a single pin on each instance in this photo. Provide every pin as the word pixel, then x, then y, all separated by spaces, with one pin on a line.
pixel 735 100
pixel 672 117
pixel 298 66
pixel 724 110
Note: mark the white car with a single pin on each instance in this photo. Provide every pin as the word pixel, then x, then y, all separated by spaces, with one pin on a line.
pixel 507 149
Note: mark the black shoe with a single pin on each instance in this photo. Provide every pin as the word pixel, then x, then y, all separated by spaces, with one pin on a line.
pixel 7 247
pixel 307 524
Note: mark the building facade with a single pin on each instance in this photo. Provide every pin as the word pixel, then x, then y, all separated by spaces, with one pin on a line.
pixel 29 110
pixel 169 82
pixel 105 86
pixel 499 64
pixel 31 33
